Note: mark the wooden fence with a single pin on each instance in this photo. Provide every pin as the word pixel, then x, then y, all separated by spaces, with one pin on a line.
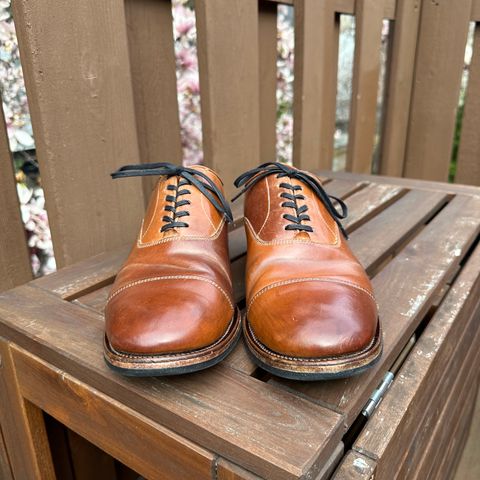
pixel 101 84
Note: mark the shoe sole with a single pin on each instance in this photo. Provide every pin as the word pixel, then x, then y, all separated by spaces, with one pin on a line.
pixel 137 365
pixel 312 369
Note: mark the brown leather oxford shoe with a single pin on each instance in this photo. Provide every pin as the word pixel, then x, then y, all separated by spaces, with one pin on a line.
pixel 171 308
pixel 311 313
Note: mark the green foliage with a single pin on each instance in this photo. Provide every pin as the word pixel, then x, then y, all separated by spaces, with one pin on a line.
pixel 456 143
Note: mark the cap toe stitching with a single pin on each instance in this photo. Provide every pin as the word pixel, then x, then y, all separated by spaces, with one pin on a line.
pixel 170 277
pixel 308 279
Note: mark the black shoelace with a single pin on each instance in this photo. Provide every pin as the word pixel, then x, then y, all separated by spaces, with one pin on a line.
pixel 188 176
pixel 253 176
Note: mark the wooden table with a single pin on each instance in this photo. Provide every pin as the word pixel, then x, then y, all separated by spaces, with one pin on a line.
pixel 417 240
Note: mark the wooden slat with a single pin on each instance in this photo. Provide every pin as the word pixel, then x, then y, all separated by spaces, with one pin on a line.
pixel 5 470
pixel 366 203
pixel 240 359
pixel 228 55
pixel 315 83
pixel 148 448
pixel 468 162
pixel 438 72
pixel 459 406
pixel 267 44
pixel 343 188
pixel 414 209
pixel 404 32
pixel 455 417
pixel 22 426
pixel 220 409
pixel 81 103
pixel 14 259
pixel 355 466
pixel 404 182
pixel 429 259
pixel 85 276
pixel 425 379
pixel 366 71
pixel 152 60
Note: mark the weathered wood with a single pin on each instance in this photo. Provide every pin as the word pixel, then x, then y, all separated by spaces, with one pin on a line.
pixel 368 202
pixel 201 407
pixel 355 466
pixel 80 144
pixel 22 426
pixel 228 56
pixel 383 234
pixel 399 88
pixel 240 360
pixel 438 71
pixel 14 258
pixel 343 188
pixel 457 225
pixel 149 449
pixel 315 83
pixel 366 71
pixel 154 83
pixel 468 162
pixel 86 276
pixel 423 383
pixel 267 44
pixel 404 182
pixel 446 443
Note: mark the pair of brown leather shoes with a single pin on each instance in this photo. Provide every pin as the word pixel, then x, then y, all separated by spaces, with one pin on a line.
pixel 310 310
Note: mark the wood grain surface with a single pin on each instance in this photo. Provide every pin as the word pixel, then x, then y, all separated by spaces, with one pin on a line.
pixel 81 103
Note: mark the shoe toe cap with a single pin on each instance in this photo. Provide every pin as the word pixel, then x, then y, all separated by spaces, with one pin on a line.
pixel 167 316
pixel 314 319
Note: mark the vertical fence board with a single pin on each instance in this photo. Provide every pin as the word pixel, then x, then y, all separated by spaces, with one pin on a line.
pixel 468 166
pixel 315 83
pixel 14 259
pixel 267 36
pixel 152 60
pixel 77 75
pixel 399 88
pixel 366 70
pixel 438 71
pixel 228 57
